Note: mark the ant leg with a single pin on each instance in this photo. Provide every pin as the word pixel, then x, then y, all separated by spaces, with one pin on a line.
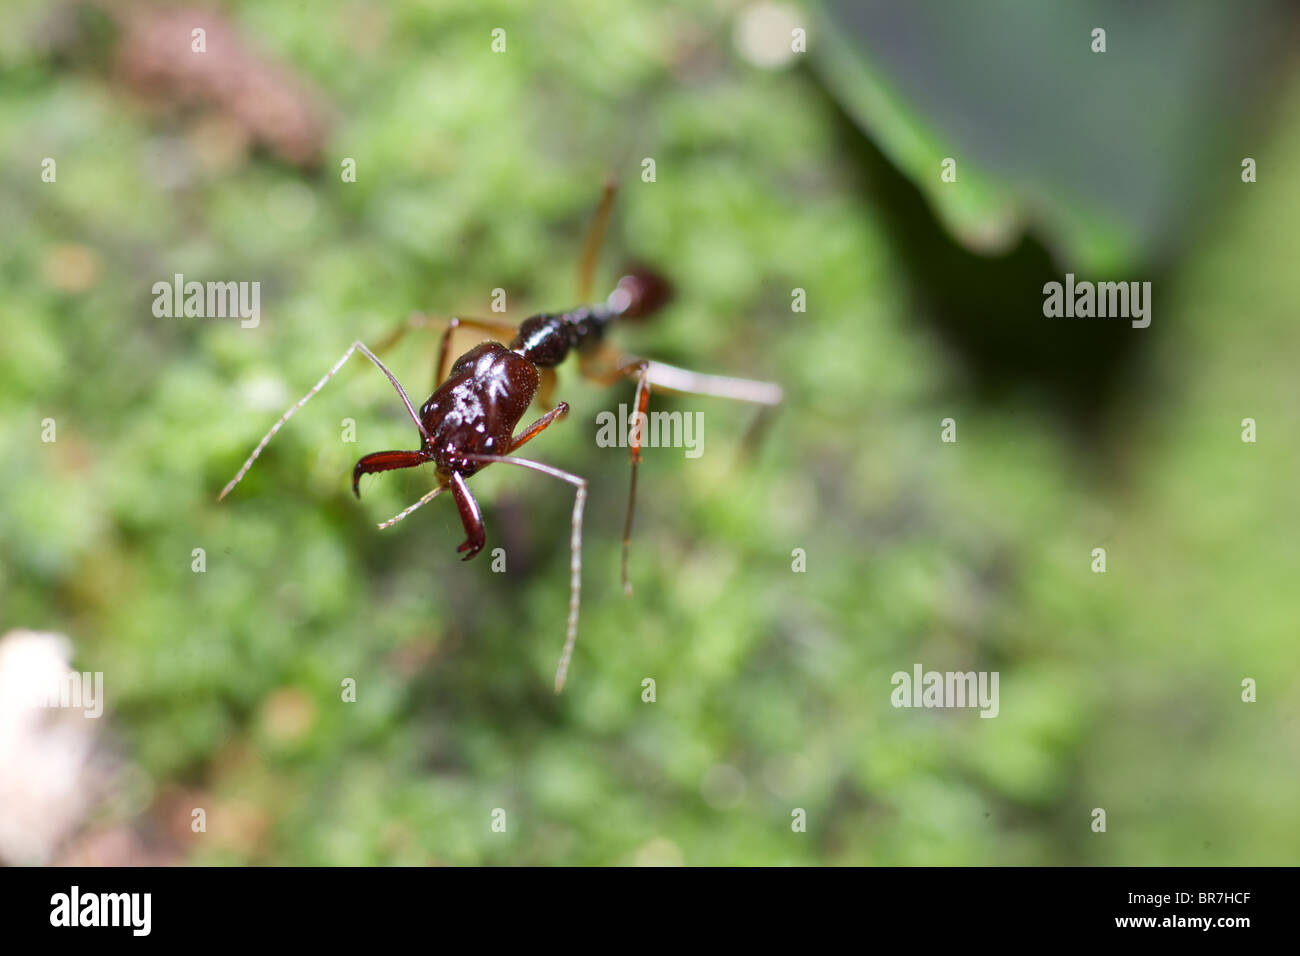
pixel 675 379
pixel 601 365
pixel 755 434
pixel 537 427
pixel 385 461
pixel 623 369
pixel 605 367
pixel 470 517
pixel 416 320
pixel 638 436
pixel 575 551
pixel 546 389
pixel 595 235
pixel 766 395
pixel 672 379
pixel 354 347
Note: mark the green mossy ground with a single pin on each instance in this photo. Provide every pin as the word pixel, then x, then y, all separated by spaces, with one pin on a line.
pixel 478 171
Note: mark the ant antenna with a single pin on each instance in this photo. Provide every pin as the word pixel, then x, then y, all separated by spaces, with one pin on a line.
pixel 423 501
pixel 356 346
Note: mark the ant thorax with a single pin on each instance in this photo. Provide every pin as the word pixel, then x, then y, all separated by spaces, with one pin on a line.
pixel 546 339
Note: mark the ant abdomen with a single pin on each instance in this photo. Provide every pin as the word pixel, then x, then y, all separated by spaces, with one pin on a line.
pixel 639 293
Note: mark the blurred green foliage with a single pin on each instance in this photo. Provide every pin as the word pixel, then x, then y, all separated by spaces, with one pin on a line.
pixel 479 170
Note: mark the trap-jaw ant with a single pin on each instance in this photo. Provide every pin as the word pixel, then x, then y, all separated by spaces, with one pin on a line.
pixel 470 420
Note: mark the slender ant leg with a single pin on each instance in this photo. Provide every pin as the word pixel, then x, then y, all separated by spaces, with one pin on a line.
pixel 356 346
pixel 546 389
pixel 672 379
pixel 755 434
pixel 642 404
pixel 586 273
pixel 591 246
pixel 537 427
pixel 416 320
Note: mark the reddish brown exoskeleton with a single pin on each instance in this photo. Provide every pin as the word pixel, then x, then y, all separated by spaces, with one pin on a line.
pixel 471 418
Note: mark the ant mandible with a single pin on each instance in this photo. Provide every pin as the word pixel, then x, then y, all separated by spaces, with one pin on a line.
pixel 469 421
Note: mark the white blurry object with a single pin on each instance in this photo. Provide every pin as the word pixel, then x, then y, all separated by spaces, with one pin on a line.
pixel 47 782
pixel 764 34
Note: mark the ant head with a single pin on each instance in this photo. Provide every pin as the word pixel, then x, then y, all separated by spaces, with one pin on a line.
pixel 640 292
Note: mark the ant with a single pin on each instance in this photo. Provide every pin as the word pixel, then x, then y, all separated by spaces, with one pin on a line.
pixel 470 419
